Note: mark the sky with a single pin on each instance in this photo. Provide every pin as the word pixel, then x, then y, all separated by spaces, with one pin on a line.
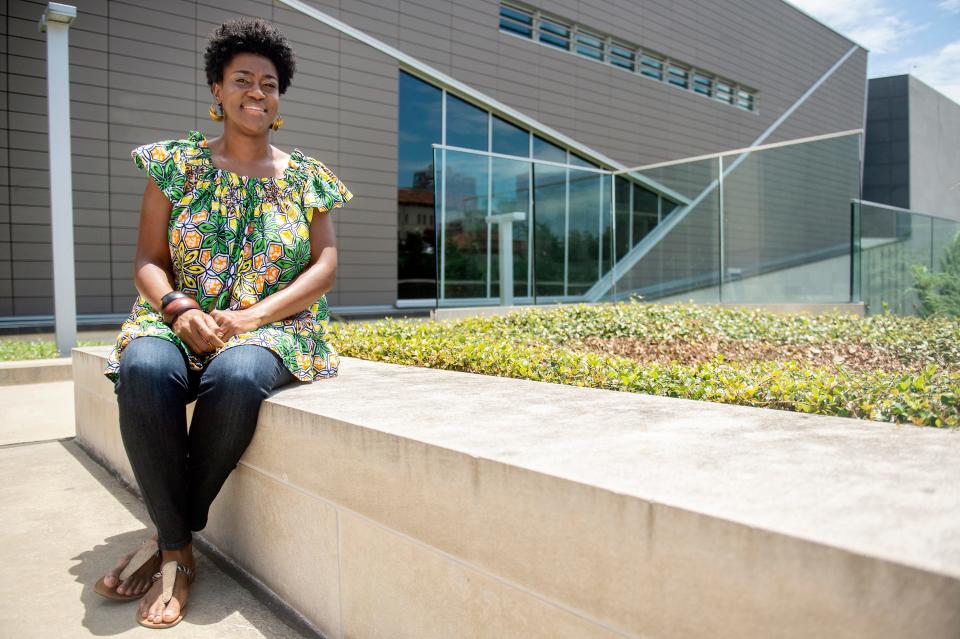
pixel 919 37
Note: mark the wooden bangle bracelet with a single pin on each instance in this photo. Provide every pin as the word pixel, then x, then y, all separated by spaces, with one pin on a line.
pixel 178 307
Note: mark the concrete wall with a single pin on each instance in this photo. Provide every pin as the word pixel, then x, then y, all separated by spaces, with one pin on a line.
pixel 934 144
pixel 137 76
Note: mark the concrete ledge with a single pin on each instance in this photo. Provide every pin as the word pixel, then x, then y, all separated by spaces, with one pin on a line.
pixel 404 502
pixel 35 371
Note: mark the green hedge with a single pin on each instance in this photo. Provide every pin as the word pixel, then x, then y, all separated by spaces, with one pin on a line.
pixel 530 344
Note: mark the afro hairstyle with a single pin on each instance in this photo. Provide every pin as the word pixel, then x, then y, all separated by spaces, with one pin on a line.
pixel 249 35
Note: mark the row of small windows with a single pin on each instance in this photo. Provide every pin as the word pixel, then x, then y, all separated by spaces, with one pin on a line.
pixel 532 24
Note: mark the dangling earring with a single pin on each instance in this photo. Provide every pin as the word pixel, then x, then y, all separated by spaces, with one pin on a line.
pixel 277 124
pixel 216 112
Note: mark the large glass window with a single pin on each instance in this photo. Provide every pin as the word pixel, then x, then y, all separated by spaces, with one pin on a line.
pixel 543 150
pixel 550 213
pixel 466 124
pixel 645 213
pixel 585 226
pixel 622 235
pixel 465 226
pixel 419 123
pixel 510 139
pixel 510 194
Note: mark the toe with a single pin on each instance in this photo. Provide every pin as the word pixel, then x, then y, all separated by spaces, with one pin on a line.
pixel 172 611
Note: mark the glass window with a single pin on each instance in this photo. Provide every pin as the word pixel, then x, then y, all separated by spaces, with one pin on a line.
pixel 678 76
pixel 651 67
pixel 465 231
pixel 576 160
pixel 622 211
pixel 543 150
pixel 549 229
pixel 419 123
pixel 644 212
pixel 466 124
pixel 510 139
pixel 516 21
pixel 623 57
pixel 744 99
pixel 703 84
pixel 554 33
pixel 724 92
pixel 510 182
pixel 583 240
pixel 590 45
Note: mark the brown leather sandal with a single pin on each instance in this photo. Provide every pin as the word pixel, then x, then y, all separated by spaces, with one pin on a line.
pixel 146 552
pixel 168 573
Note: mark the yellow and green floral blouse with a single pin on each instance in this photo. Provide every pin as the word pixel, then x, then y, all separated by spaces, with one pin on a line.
pixel 233 241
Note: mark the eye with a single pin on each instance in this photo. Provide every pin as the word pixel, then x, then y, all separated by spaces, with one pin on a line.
pixel 242 81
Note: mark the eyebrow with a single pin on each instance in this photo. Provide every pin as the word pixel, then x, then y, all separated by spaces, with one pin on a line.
pixel 269 75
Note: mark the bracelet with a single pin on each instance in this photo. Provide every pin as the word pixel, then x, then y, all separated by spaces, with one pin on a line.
pixel 178 307
pixel 169 297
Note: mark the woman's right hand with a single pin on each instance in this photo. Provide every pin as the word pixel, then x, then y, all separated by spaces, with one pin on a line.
pixel 198 330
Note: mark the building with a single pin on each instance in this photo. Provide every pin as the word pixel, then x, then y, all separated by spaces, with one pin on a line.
pixel 534 102
pixel 912 137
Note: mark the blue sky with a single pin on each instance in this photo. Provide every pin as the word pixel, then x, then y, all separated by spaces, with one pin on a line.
pixel 920 37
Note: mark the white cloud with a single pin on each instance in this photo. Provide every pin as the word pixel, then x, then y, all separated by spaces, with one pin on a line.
pixel 952 6
pixel 871 23
pixel 940 69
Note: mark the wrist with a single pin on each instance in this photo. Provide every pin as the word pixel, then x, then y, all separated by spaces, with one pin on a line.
pixel 177 307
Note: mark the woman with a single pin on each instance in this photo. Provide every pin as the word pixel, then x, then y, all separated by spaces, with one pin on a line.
pixel 234 255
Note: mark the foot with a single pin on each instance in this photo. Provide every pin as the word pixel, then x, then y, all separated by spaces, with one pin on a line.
pixel 138 582
pixel 152 608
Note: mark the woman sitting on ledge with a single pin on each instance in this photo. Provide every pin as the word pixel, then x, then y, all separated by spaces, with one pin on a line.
pixel 234 256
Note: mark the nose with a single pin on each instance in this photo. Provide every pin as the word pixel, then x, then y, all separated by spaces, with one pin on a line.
pixel 257 93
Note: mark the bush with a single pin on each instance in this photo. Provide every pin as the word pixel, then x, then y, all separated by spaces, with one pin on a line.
pixel 939 293
pixel 535 344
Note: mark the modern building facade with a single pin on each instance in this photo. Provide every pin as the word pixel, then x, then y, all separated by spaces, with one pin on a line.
pixel 912 137
pixel 527 106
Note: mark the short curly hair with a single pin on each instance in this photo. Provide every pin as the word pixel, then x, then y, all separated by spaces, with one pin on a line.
pixel 249 35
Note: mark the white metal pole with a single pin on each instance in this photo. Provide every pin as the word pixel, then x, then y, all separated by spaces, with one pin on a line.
pixel 56 23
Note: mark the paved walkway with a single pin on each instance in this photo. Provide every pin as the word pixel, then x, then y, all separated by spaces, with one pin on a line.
pixel 65 521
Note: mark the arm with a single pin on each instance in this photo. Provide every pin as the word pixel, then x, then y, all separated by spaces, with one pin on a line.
pixel 299 295
pixel 153 271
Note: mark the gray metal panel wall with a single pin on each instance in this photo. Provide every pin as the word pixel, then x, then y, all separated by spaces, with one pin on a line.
pixel 137 76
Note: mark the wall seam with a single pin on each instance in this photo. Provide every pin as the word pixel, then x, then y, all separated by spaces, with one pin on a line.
pixel 6 113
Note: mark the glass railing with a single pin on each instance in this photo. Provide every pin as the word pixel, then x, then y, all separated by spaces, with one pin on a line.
pixel 892 244
pixel 781 223
pixel 767 225
pixel 519 231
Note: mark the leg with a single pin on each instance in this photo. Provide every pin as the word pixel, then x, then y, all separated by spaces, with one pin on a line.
pixel 152 393
pixel 232 387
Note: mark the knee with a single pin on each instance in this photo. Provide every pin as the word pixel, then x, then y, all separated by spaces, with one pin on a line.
pixel 242 372
pixel 150 365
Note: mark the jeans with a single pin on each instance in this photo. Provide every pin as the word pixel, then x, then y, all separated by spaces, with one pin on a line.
pixel 181 472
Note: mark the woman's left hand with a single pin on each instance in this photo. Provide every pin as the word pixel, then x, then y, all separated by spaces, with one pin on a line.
pixel 235 322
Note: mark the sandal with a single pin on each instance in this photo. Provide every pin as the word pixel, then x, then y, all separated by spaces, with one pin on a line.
pixel 168 573
pixel 147 551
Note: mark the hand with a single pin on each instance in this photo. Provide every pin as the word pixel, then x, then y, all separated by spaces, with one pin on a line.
pixel 232 323
pixel 198 330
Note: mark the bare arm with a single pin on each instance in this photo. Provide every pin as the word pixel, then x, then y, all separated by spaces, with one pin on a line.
pixel 153 271
pixel 299 295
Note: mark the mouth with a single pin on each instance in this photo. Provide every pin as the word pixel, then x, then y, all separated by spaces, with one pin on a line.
pixel 254 109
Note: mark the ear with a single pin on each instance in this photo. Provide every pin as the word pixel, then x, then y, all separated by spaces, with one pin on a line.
pixel 215 91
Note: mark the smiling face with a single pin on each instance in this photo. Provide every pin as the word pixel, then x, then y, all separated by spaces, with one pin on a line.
pixel 249 93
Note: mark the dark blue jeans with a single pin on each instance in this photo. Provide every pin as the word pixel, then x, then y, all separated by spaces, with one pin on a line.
pixel 180 473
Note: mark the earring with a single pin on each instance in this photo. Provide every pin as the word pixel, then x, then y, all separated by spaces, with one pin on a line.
pixel 216 112
pixel 277 124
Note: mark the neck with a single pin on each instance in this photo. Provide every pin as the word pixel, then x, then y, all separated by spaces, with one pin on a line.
pixel 243 147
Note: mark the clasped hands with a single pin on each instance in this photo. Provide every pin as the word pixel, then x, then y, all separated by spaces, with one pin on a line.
pixel 205 333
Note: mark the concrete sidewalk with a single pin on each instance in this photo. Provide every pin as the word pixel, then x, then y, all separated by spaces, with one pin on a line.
pixel 66 521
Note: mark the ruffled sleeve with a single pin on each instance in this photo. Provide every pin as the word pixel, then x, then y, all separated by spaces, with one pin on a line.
pixel 168 164
pixel 322 190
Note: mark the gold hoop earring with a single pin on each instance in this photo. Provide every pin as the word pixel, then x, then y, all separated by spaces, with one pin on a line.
pixel 277 124
pixel 216 112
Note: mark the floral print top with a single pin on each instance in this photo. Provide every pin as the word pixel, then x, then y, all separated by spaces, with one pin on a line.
pixel 233 241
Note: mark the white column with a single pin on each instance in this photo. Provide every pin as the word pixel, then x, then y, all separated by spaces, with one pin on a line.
pixel 56 23
pixel 505 233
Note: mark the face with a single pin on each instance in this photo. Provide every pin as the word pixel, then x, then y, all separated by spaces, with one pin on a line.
pixel 249 92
